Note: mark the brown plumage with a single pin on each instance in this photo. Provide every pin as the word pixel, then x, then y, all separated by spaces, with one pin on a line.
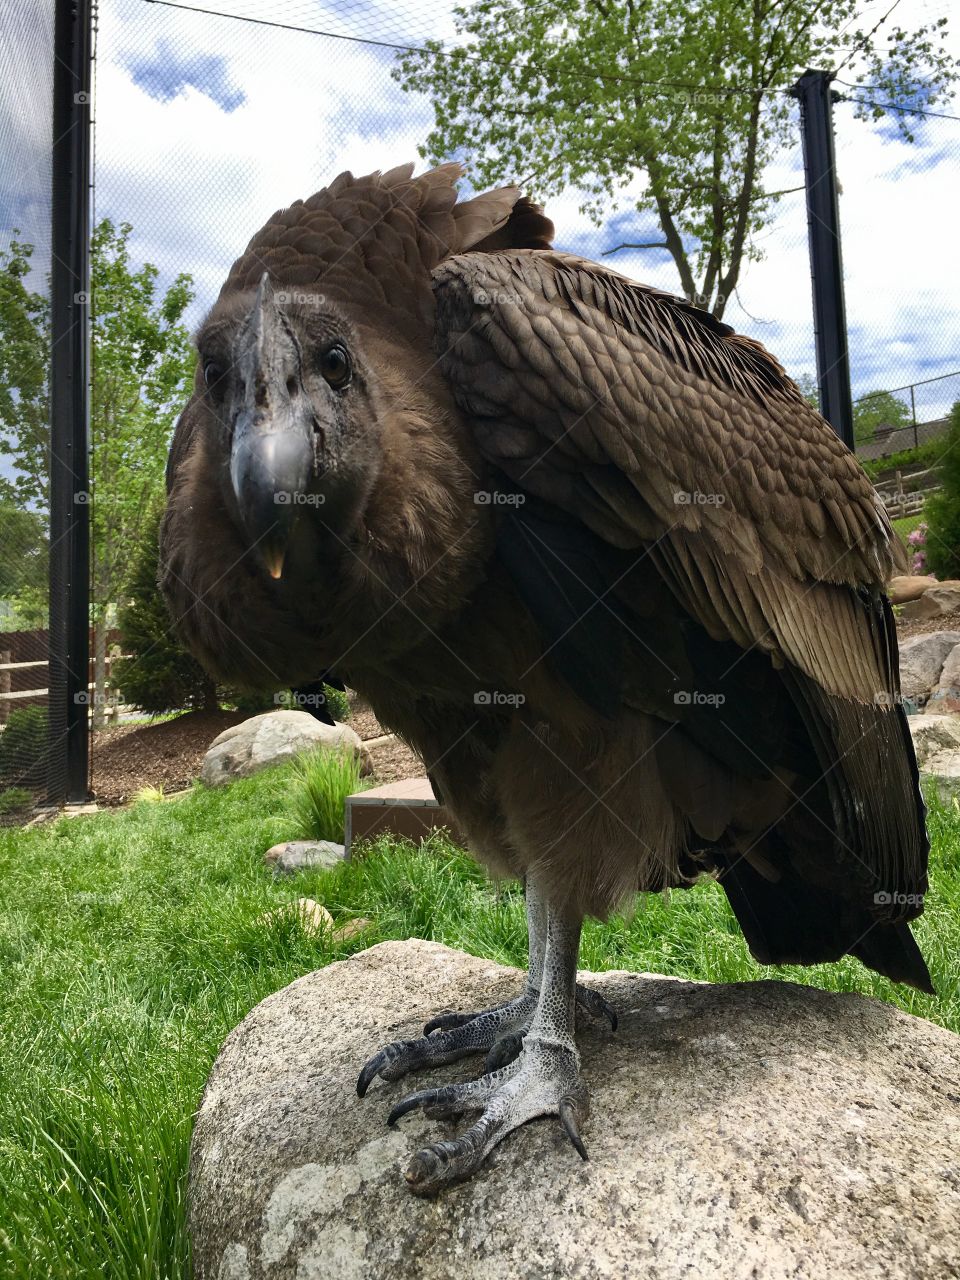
pixel 589 551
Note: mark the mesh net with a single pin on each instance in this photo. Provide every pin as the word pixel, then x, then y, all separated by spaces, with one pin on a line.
pixel 27 759
pixel 211 116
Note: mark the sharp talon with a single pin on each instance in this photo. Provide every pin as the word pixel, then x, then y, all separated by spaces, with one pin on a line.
pixel 596 1006
pixel 369 1072
pixel 407 1104
pixel 447 1021
pixel 569 1119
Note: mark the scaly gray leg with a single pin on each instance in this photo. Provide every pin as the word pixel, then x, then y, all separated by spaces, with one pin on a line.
pixel 543 1080
pixel 498 1032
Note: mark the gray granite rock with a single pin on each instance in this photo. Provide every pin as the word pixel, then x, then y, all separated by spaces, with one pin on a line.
pixel 267 739
pixel 934 602
pixel 304 855
pixel 757 1130
pixel 936 740
pixel 921 662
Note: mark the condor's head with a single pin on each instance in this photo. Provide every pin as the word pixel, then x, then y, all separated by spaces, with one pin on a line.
pixel 319 490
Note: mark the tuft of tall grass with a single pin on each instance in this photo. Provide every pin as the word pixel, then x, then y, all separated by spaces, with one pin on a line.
pixel 322 780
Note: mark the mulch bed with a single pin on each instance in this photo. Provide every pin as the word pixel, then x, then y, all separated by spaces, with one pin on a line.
pixel 125 758
pixel 923 626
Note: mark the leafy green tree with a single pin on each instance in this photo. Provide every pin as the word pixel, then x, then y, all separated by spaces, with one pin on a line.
pixel 942 511
pixel 24 366
pixel 878 409
pixel 693 97
pixel 142 365
pixel 23 549
pixel 809 389
pixel 158 675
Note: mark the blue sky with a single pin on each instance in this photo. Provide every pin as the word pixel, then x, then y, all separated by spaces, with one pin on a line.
pixel 205 126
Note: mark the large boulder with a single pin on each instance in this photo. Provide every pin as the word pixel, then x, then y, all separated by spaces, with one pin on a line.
pixel 921 662
pixel 934 602
pixel 909 586
pixel 268 739
pixel 759 1130
pixel 936 740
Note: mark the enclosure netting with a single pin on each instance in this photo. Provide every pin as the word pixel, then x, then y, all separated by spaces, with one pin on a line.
pixel 208 122
pixel 27 758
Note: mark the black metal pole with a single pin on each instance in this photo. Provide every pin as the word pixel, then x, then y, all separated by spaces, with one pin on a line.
pixel 826 265
pixel 68 698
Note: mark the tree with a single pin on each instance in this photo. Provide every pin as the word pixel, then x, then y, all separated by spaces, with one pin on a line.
pixel 693 97
pixel 24 370
pixel 142 365
pixel 158 675
pixel 23 539
pixel 878 409
pixel 942 511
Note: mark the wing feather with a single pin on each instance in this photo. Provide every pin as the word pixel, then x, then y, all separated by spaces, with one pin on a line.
pixel 666 435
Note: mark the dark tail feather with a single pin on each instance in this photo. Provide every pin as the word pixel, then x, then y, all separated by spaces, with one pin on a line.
pixel 790 921
pixel 892 950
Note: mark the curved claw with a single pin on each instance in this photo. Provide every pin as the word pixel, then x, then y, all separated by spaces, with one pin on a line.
pixel 570 1119
pixel 380 1062
pixel 409 1103
pixel 596 1006
pixel 447 1021
pixel 366 1077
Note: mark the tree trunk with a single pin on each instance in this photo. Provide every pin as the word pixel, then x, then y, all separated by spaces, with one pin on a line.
pixel 210 701
pixel 100 670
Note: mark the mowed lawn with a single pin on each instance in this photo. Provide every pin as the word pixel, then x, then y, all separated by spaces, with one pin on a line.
pixel 132 942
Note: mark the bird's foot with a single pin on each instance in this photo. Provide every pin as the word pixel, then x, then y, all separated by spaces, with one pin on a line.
pixel 498 1032
pixel 543 1080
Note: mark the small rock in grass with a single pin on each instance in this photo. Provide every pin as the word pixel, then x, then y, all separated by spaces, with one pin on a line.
pixel 304 855
pixel 351 929
pixel 312 916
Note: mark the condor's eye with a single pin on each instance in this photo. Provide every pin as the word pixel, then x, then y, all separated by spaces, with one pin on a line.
pixel 335 366
pixel 213 375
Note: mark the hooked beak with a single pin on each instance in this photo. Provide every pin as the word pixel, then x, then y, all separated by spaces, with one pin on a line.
pixel 272 456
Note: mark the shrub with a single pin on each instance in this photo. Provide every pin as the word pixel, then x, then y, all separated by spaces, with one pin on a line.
pixel 322 781
pixel 159 675
pixel 942 510
pixel 23 748
pixel 14 798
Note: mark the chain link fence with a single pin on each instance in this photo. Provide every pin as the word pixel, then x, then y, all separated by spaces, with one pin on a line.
pixel 209 117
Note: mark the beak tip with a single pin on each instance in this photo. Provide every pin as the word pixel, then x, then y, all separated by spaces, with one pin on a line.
pixel 274 565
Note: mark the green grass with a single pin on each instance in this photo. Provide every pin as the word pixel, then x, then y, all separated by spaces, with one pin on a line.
pixel 907 524
pixel 323 780
pixel 131 943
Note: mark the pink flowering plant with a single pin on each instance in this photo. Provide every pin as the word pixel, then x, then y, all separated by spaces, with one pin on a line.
pixel 918 541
